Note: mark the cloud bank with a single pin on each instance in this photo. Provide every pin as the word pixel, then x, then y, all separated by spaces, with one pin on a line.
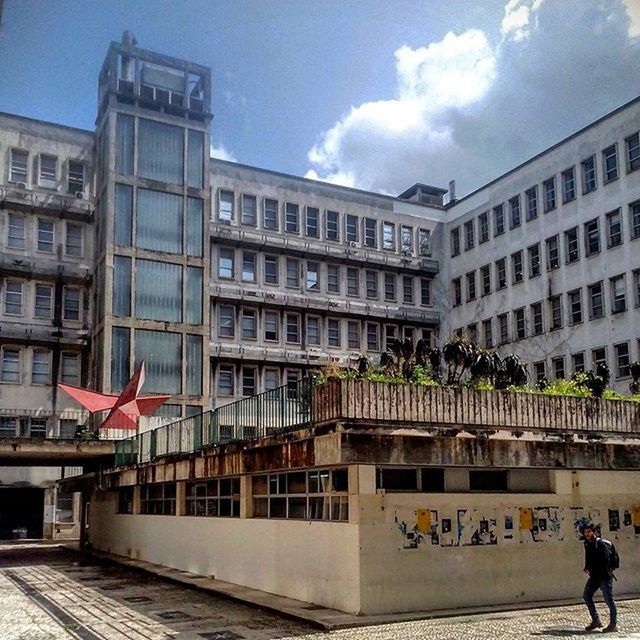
pixel 470 109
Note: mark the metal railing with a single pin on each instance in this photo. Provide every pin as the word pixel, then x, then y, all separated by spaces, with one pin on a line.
pixel 286 408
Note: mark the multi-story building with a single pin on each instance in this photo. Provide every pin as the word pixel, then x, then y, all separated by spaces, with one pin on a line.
pixel 129 243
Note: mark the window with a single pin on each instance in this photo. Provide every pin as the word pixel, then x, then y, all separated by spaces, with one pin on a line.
pixel 498 220
pixel 572 245
pixel 226 380
pixel 353 334
pixel 249 324
pixel 634 214
pixel 270 214
pixel 332 225
pixel 390 335
pixel 373 336
pixel 11 369
pixel 123 214
pixel 45 235
pixel 407 289
pixel 75 178
pixel 44 301
pixel 313 276
pixel 271 326
pixel 40 367
pixel 469 236
pixel 388 236
pixel 517 267
pixel 487 480
pixel 248 266
pixel 456 287
pixel 18 166
pixel 333 333
pixel 424 242
pixel 568 185
pixel 389 286
pixel 70 368
pixel 225 263
pixel 553 253
pixel 160 151
pixel 371 278
pixel 471 286
pixel 520 324
pixel 575 306
pixel 225 205
pixel 17 233
pixel 539 370
pixel 226 322
pixel 313 330
pixel 485 279
pixel 558 367
pixel 618 294
pixel 556 312
pixel 514 211
pixel 121 303
pixel 537 321
pixel 501 273
pixel 13 296
pixel 249 381
pixel 158 293
pixel 370 239
pixel 333 278
pixel 406 240
pixel 312 222
pixel 271 269
pixel 48 171
pixel 636 287
pixel 487 334
pixel 483 224
pixel 158 499
pixel 73 240
pixel 159 221
pixel 213 498
pixel 351 224
pixel 124 145
pixel 353 281
pixel 614 228
pixel 592 237
pixel 596 301
pixel 577 362
pixel 455 242
pixel 291 212
pixel 271 379
pixel 534 260
pixel 589 174
pixel 532 203
pixel 293 328
pixel 610 163
pixel 293 273
pixel 549 187
pixel 599 357
pixel 633 152
pixel 249 210
pixel 425 292
pixel 503 327
pixel 622 360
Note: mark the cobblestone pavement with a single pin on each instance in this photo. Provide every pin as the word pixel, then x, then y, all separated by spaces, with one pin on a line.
pixel 49 593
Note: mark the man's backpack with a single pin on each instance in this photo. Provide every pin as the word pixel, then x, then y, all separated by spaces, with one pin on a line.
pixel 614 558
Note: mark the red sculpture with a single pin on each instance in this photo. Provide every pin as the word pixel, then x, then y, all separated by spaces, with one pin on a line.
pixel 125 408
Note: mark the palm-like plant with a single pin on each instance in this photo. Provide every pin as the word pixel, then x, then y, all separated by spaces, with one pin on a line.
pixel 634 370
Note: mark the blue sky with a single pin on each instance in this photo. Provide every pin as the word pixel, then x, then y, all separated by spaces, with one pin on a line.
pixel 374 94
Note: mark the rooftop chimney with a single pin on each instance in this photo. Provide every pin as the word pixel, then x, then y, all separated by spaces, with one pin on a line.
pixel 452 191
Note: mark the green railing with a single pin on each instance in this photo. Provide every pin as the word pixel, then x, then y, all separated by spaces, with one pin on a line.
pixel 283 409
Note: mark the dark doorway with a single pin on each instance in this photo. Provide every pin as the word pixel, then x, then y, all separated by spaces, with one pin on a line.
pixel 20 510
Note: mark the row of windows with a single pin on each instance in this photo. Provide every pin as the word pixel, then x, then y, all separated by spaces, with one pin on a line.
pixel 49 172
pixel 251 380
pixel 44 237
pixel 41 427
pixel 316 276
pixel 26 365
pixel 19 295
pixel 329 225
pixel 531 322
pixel 550 198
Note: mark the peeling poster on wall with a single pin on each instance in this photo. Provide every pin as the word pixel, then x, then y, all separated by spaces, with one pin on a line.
pixel 581 516
pixel 476 527
pixel 424 531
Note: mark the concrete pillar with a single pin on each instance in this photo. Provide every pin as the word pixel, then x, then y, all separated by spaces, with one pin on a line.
pixel 136 500
pixel 84 514
pixel 181 491
pixel 362 493
pixel 246 497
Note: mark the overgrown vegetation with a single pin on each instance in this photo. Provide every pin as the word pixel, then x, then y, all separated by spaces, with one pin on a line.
pixel 461 363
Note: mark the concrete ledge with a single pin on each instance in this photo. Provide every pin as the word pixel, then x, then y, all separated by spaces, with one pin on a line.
pixel 320 617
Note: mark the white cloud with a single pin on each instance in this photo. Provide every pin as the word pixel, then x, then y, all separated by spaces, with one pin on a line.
pixel 221 152
pixel 468 109
pixel 632 8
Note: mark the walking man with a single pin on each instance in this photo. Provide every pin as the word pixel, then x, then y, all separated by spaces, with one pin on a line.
pixel 597 564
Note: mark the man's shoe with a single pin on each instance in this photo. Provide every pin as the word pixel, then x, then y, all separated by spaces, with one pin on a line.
pixel 611 628
pixel 594 624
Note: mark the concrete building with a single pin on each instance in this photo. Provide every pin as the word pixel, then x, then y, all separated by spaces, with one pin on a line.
pixel 129 243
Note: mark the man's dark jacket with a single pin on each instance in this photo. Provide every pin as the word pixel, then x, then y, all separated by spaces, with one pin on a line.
pixel 596 559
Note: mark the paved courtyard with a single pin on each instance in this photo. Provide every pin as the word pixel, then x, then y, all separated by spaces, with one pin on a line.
pixel 50 593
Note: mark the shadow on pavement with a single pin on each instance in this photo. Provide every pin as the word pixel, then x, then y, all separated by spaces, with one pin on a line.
pixel 561 633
